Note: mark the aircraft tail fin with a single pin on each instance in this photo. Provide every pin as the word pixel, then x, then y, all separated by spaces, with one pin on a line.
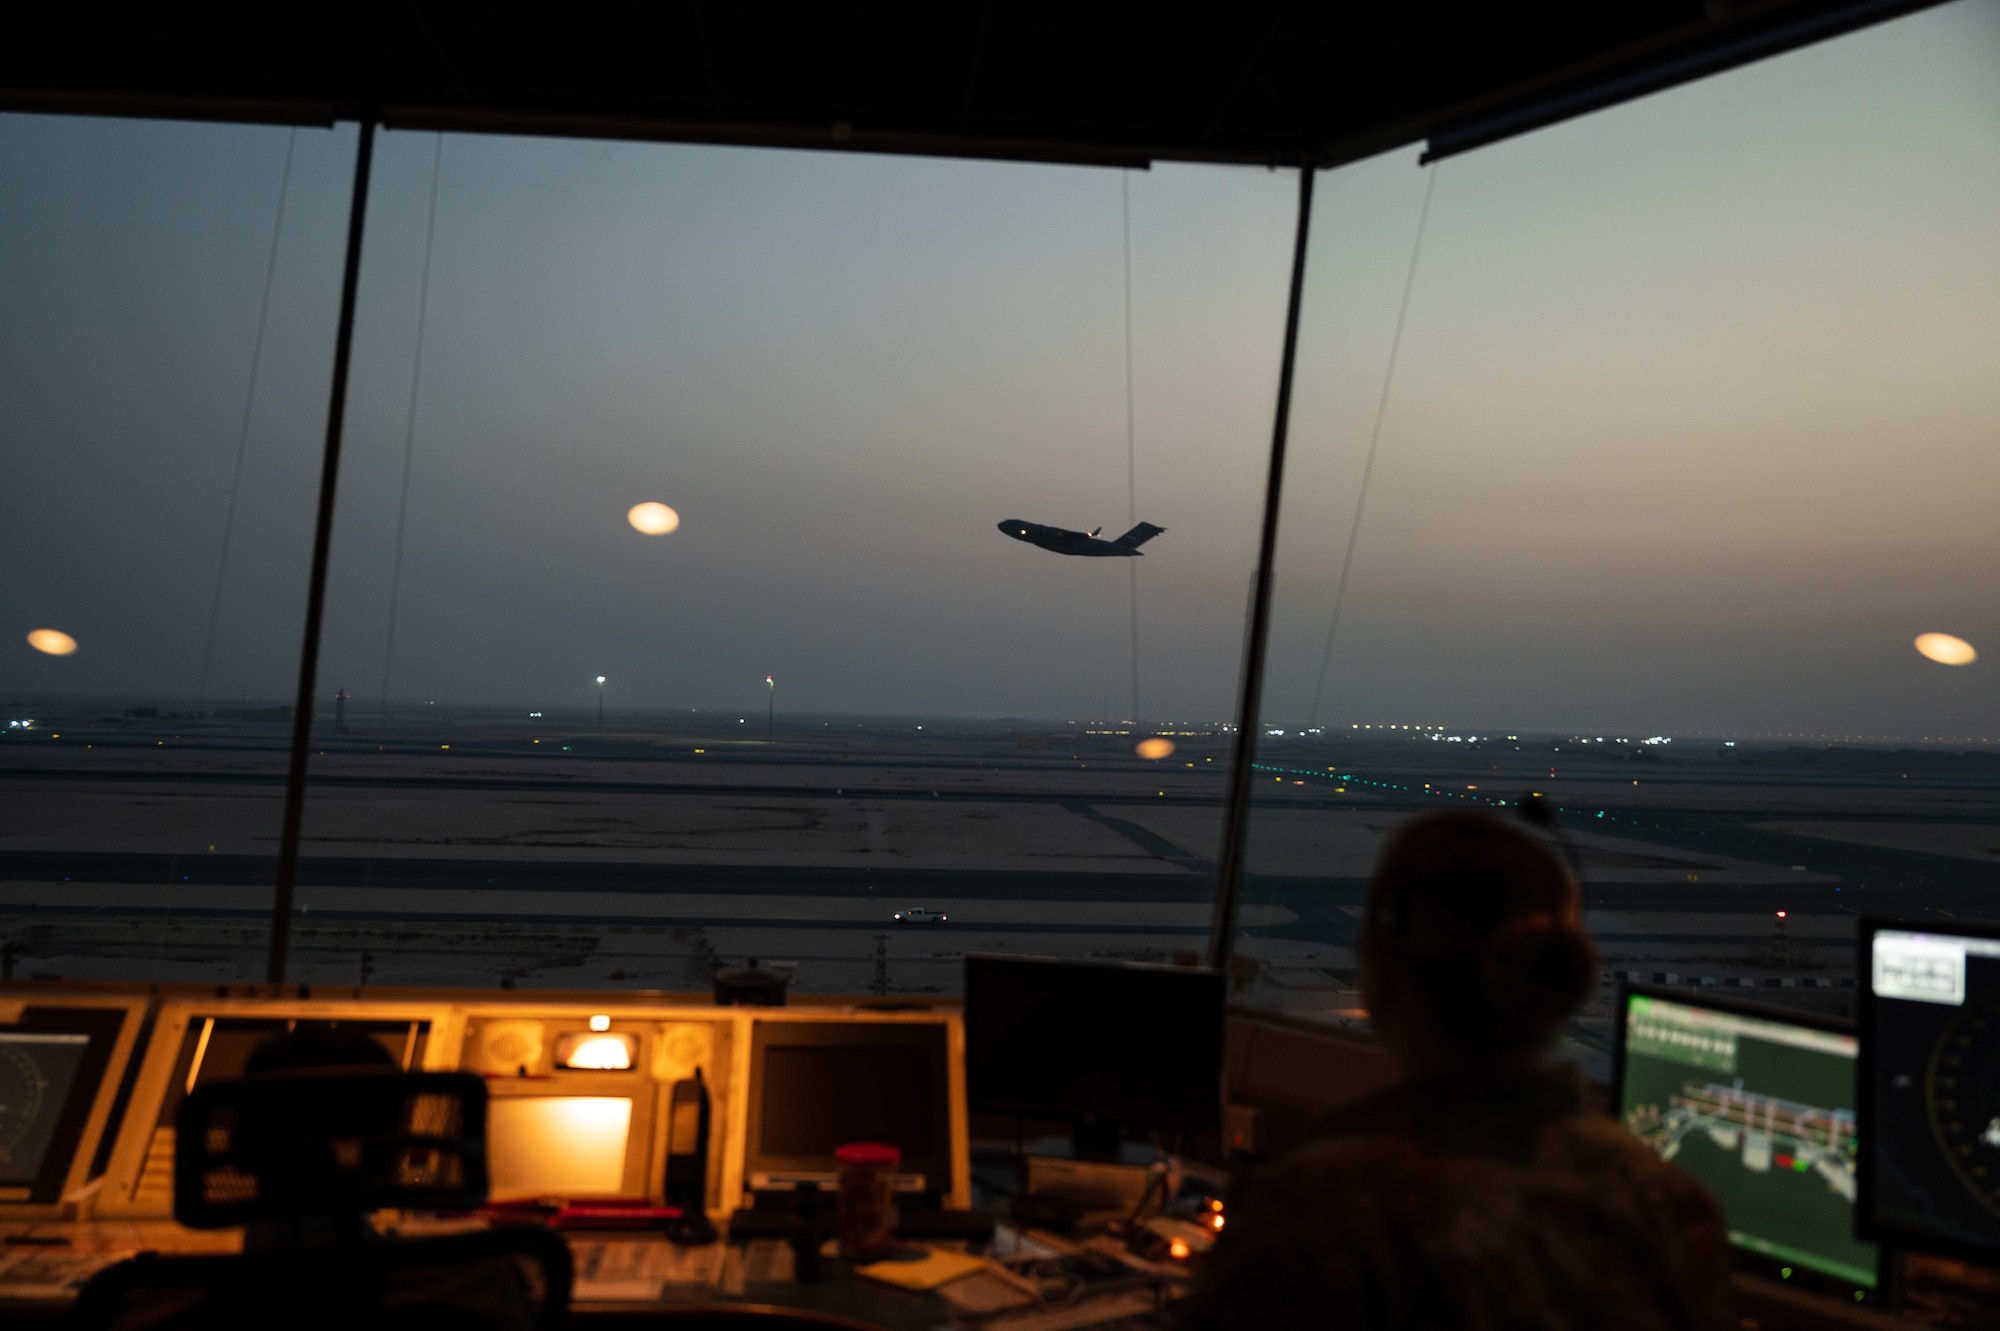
pixel 1138 536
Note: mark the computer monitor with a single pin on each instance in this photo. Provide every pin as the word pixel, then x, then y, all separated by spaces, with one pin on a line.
pixel 1930 1086
pixel 52 1062
pixel 217 1048
pixel 1120 1045
pixel 816 1085
pixel 568 1146
pixel 1759 1105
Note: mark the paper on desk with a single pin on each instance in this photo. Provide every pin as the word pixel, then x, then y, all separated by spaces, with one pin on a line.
pixel 987 1291
pixel 936 1267
pixel 1010 1242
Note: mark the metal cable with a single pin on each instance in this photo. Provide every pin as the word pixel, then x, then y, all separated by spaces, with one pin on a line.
pixel 243 431
pixel 410 426
pixel 1374 440
pixel 1131 448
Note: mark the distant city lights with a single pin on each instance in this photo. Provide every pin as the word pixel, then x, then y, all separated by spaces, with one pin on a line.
pixel 1942 648
pixel 54 642
pixel 653 519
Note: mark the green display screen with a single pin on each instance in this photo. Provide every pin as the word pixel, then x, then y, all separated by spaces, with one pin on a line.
pixel 1762 1112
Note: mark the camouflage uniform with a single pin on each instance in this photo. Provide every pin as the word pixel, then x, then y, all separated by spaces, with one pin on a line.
pixel 1487 1202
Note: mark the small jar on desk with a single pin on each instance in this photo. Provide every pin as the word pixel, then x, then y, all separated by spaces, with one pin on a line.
pixel 867 1199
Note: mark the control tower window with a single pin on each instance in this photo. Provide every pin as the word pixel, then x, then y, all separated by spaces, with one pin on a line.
pixel 1631 468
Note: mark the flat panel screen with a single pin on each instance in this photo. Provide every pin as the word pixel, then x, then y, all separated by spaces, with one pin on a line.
pixel 1139 1046
pixel 1760 1108
pixel 52 1063
pixel 1930 1015
pixel 815 1086
pixel 557 1145
pixel 37 1073
pixel 818 1098
pixel 219 1048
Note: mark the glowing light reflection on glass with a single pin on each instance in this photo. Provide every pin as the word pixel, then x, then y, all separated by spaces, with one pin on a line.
pixel 653 519
pixel 1946 649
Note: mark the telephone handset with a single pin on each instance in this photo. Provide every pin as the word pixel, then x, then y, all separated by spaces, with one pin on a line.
pixel 686 1181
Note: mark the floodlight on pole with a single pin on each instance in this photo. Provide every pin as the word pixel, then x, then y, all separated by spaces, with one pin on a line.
pixel 600 704
pixel 771 711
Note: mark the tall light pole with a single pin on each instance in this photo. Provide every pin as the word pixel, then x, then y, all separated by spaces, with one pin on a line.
pixel 600 704
pixel 771 711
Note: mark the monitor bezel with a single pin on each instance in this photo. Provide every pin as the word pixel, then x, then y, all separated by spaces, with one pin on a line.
pixel 134 1164
pixel 1831 1023
pixel 105 1028
pixel 1865 1223
pixel 939 1169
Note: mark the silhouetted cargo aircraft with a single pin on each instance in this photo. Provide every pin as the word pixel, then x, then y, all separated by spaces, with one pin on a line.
pixel 1065 542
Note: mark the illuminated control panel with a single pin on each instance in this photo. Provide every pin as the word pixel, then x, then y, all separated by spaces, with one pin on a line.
pixel 582 1088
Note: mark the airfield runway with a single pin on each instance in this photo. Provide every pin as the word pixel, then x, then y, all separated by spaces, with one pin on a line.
pixel 472 853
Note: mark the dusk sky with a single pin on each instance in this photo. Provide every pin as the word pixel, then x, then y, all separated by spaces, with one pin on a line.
pixel 1694 424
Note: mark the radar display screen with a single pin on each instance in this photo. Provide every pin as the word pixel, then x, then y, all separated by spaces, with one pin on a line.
pixel 52 1062
pixel 36 1073
pixel 1930 1015
pixel 1760 1108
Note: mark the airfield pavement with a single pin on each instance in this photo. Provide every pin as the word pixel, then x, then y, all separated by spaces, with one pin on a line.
pixel 474 850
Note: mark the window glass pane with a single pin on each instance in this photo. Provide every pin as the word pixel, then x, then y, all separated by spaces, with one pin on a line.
pixel 164 360
pixel 834 690
pixel 1689 437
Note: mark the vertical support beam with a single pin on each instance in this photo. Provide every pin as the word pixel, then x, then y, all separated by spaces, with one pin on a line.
pixel 329 478
pixel 1236 810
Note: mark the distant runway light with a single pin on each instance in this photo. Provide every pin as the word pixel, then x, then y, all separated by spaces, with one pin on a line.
pixel 1939 647
pixel 653 519
pixel 1155 748
pixel 54 642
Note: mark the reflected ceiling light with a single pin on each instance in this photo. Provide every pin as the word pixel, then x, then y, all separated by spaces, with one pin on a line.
pixel 54 642
pixel 1939 647
pixel 653 519
pixel 1155 748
